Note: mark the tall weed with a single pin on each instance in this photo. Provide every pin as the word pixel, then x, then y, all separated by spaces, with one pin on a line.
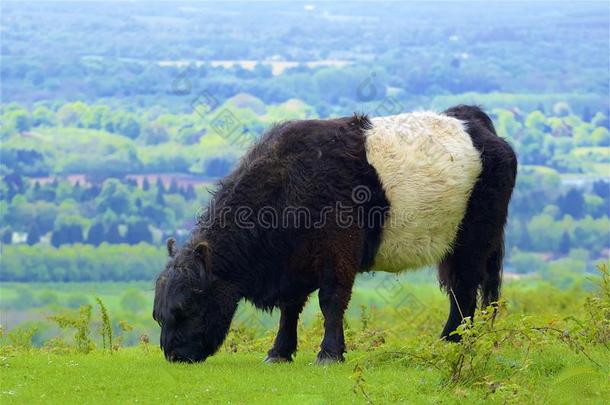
pixel 80 321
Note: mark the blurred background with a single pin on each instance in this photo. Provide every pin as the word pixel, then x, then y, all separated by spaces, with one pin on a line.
pixel 118 118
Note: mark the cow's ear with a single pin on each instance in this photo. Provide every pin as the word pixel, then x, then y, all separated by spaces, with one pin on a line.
pixel 203 251
pixel 171 247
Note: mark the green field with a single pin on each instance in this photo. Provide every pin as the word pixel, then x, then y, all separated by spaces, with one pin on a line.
pixel 547 345
pixel 556 375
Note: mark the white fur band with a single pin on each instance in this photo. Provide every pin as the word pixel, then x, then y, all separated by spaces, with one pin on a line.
pixel 428 166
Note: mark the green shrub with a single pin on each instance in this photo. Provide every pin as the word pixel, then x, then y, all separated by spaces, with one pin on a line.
pixel 21 337
pixel 81 323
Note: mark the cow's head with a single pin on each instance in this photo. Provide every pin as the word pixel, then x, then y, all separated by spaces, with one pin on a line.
pixel 193 306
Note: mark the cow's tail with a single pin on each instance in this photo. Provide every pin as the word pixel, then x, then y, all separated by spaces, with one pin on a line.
pixel 492 282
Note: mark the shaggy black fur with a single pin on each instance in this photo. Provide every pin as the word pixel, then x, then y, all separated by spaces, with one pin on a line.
pixel 304 174
pixel 476 261
pixel 297 168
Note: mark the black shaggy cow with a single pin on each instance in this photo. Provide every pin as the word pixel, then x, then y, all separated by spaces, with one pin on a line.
pixel 316 202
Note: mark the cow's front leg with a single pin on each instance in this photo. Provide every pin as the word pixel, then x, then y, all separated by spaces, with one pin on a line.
pixel 285 344
pixel 334 295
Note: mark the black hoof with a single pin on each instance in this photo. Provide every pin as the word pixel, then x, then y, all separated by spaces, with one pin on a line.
pixel 455 338
pixel 325 358
pixel 274 359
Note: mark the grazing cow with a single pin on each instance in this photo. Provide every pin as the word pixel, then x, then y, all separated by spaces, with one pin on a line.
pixel 316 202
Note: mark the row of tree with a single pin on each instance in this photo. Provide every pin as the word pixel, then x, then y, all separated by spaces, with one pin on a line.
pixel 205 145
pixel 115 211
pixel 79 262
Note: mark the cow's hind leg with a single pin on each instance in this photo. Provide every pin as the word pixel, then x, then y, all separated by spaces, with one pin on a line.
pixel 472 267
pixel 461 274
pixel 334 295
pixel 285 344
pixel 476 260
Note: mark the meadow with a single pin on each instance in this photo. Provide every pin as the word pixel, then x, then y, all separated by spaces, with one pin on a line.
pixel 117 119
pixel 545 345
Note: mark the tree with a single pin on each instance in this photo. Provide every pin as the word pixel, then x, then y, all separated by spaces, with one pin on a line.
pixel 572 203
pixel 564 243
pixel 45 215
pixel 33 234
pixel 189 192
pixel 173 187
pixel 586 114
pixel 155 213
pixel 536 120
pixel 107 262
pixel 145 184
pixel 67 233
pixel 7 236
pixel 15 121
pixel 525 243
pixel 69 114
pixel 600 137
pixel 154 134
pixel 217 167
pixel 94 116
pixel 138 232
pixel 42 116
pixel 159 199
pixel 96 234
pixel 160 185
pixel 91 192
pixel 114 196
pixel 22 122
pixel 602 189
pixel 113 235
pixel 127 125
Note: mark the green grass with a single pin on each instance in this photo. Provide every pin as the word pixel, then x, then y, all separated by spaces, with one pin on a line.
pixel 132 375
pixel 546 346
